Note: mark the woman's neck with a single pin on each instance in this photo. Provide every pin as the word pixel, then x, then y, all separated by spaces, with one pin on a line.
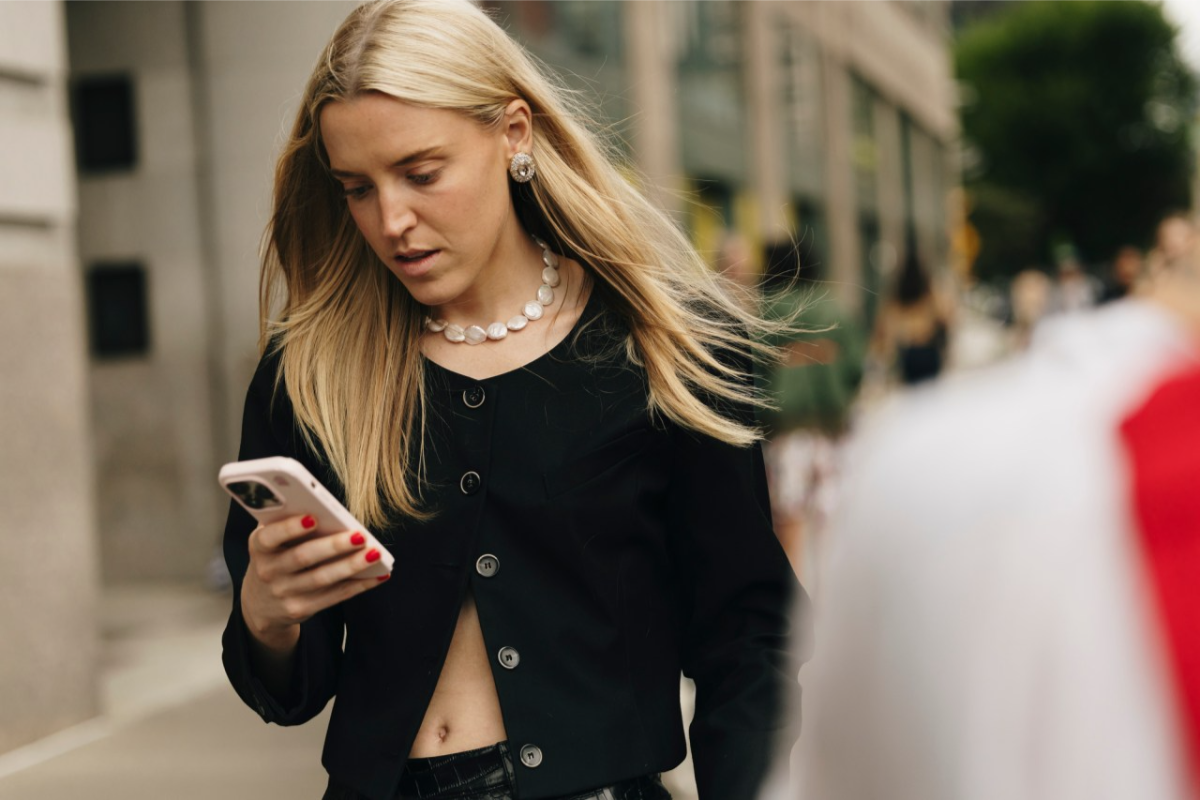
pixel 506 283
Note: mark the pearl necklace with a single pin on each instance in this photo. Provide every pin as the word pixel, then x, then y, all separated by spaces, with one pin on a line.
pixel 533 310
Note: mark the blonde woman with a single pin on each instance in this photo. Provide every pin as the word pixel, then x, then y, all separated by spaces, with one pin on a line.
pixel 523 379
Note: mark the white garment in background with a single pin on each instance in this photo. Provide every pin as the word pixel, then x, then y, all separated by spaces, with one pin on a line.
pixel 984 631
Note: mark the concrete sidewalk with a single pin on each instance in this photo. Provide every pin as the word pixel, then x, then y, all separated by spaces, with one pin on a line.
pixel 171 727
pixel 209 747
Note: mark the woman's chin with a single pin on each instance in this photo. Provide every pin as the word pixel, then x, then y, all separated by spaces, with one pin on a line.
pixel 432 292
pixel 427 286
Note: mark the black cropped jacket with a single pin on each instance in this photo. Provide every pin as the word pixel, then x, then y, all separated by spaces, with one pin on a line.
pixel 605 549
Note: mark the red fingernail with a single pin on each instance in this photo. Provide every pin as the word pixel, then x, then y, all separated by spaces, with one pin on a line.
pixel 383 578
pixel 309 521
pixel 358 539
pixel 372 555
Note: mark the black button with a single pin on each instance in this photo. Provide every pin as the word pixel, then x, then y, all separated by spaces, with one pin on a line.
pixel 509 657
pixel 531 755
pixel 470 482
pixel 487 565
pixel 474 397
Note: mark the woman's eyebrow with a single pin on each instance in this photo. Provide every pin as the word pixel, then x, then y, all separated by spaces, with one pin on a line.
pixel 406 160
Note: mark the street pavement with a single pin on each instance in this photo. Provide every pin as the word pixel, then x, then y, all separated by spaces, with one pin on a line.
pixel 171 728
pixel 209 747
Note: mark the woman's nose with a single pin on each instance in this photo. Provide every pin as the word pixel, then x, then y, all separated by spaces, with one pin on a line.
pixel 396 215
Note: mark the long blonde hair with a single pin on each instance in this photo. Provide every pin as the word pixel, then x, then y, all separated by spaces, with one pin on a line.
pixel 348 331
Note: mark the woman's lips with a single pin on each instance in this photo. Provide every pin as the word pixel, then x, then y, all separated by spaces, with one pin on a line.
pixel 417 264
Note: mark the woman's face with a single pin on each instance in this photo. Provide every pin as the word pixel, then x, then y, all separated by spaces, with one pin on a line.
pixel 428 188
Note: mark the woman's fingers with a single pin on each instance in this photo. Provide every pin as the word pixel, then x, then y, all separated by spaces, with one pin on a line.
pixel 267 538
pixel 293 577
pixel 271 606
pixel 280 549
pixel 317 551
pixel 330 572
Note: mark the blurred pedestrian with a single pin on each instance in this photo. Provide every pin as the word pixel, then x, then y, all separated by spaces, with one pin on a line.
pixel 1009 606
pixel 1174 240
pixel 912 330
pixel 1074 289
pixel 735 259
pixel 1124 276
pixel 574 494
pixel 813 388
pixel 1030 300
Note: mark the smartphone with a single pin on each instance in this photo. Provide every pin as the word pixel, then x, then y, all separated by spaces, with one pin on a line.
pixel 276 488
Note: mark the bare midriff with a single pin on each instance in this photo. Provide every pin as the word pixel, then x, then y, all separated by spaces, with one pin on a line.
pixel 464 713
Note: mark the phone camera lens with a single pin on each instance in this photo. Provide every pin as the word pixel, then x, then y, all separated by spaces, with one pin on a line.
pixel 254 494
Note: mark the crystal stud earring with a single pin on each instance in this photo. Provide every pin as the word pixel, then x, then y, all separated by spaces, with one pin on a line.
pixel 522 168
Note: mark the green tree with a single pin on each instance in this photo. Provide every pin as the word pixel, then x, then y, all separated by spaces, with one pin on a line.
pixel 1076 117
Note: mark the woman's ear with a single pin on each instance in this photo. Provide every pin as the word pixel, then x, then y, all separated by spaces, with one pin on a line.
pixel 518 127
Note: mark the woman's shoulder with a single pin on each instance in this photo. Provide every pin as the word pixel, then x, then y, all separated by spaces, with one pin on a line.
pixel 605 329
pixel 270 358
pixel 602 325
pixel 273 410
pixel 267 383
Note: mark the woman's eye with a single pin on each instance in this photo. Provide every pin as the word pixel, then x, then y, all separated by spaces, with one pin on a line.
pixel 354 192
pixel 421 179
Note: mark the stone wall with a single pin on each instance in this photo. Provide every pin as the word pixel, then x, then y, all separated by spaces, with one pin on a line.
pixel 48 562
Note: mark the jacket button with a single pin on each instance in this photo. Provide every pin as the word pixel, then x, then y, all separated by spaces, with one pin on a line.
pixel 474 397
pixel 470 482
pixel 509 657
pixel 531 755
pixel 487 565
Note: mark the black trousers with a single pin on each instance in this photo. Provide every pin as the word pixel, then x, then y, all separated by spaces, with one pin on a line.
pixel 487 774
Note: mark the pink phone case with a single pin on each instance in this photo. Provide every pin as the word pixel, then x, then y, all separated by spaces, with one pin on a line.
pixel 275 488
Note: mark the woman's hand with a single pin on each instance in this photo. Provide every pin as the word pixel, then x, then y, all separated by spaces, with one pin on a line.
pixel 290 580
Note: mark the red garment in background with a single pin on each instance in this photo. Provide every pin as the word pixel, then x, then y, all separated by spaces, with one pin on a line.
pixel 1163 440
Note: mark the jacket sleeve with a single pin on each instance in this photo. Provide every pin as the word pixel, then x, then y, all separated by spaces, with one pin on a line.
pixel 746 621
pixel 268 430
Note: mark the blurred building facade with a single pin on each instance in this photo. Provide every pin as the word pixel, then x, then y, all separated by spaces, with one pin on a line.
pixel 129 270
pixel 829 123
pixel 135 181
pixel 179 108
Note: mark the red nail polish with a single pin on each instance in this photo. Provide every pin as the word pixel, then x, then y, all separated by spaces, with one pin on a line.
pixel 372 555
pixel 383 578
pixel 358 539
pixel 309 522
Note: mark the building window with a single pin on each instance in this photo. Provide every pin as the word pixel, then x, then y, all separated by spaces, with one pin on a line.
pixel 104 124
pixel 711 98
pixel 864 148
pixel 869 241
pixel 117 310
pixel 714 35
pixel 803 101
